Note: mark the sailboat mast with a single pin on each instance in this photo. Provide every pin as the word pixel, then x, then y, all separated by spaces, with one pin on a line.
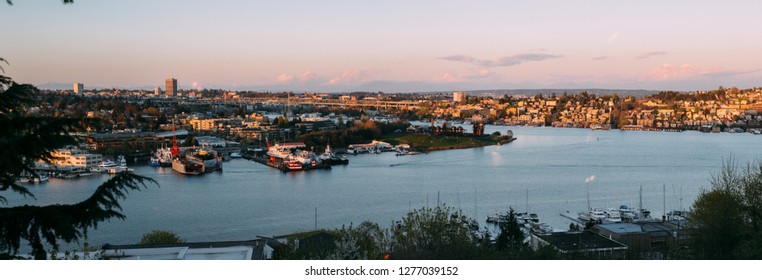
pixel 664 201
pixel 587 189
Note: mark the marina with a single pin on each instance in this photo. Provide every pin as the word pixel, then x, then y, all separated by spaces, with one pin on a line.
pixel 551 164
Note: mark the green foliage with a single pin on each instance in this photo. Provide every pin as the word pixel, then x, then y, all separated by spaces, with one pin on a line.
pixel 364 242
pixel 160 237
pixel 510 241
pixel 25 138
pixel 314 245
pixel 434 233
pixel 726 221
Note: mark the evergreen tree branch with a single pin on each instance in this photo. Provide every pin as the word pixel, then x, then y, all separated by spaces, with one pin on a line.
pixel 48 224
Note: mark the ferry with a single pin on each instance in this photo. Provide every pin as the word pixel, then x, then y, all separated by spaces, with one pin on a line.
pixel 292 157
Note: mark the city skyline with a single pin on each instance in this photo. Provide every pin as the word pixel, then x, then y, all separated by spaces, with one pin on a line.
pixel 339 46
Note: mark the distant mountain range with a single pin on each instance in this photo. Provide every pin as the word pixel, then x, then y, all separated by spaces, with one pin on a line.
pixel 561 91
pixel 492 92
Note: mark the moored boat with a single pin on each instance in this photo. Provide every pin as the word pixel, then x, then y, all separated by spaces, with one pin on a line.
pixel 209 158
pixel 188 166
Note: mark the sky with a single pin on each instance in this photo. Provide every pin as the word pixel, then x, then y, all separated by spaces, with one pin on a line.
pixel 389 46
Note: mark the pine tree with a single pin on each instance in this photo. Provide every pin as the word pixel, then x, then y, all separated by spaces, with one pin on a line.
pixel 25 137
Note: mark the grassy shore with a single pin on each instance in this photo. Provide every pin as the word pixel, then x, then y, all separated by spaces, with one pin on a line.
pixel 427 142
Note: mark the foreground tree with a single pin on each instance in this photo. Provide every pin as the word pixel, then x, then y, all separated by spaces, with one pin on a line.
pixel 435 233
pixel 510 241
pixel 26 137
pixel 725 222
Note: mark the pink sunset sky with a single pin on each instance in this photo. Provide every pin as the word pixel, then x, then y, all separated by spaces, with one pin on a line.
pixel 391 46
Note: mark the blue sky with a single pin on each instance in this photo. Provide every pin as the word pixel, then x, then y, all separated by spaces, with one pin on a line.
pixel 385 45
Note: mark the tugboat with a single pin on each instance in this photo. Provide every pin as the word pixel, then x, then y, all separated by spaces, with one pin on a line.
pixel 329 157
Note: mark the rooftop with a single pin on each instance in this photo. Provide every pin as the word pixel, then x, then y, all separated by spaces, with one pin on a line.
pixel 580 241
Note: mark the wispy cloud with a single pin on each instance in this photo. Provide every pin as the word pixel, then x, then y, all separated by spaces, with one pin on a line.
pixel 651 54
pixel 601 58
pixel 612 38
pixel 503 61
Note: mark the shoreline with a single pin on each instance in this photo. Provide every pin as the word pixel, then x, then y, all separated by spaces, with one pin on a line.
pixel 429 143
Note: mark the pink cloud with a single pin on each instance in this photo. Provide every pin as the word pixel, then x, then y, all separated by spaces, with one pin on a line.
pixel 669 71
pixel 307 76
pixel 350 77
pixel 284 79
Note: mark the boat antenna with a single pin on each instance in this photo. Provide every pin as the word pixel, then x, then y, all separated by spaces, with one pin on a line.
pixel 640 204
pixel 587 189
pixel 175 149
pixel 664 198
pixel 437 199
pixel 475 211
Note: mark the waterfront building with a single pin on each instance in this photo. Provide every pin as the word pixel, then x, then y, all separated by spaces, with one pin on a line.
pixel 585 244
pixel 170 86
pixel 142 141
pixel 648 239
pixel 211 141
pixel 257 249
pixel 79 88
pixel 72 158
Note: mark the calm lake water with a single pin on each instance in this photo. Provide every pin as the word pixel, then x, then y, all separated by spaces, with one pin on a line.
pixel 549 166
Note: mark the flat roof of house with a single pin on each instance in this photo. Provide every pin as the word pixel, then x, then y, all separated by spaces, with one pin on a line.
pixel 581 241
pixel 219 250
pixel 621 228
pixel 181 132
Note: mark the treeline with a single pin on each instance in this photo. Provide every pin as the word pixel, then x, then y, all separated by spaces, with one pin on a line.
pixel 725 222
pixel 359 131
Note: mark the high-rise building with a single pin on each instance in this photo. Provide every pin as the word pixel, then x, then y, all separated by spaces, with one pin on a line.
pixel 171 87
pixel 79 88
pixel 157 91
pixel 459 96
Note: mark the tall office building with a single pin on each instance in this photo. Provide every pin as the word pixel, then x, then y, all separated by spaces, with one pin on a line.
pixel 79 88
pixel 459 96
pixel 157 91
pixel 171 87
